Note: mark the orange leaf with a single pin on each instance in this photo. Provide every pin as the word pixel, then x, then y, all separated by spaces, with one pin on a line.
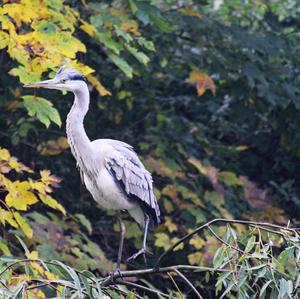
pixel 202 81
pixel 98 85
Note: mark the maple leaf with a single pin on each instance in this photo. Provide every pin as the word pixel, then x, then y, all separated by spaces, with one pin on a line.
pixel 49 179
pixel 195 258
pixel 20 196
pixel 197 242
pixel 53 147
pixel 202 80
pixel 42 109
pixel 171 226
pixel 7 163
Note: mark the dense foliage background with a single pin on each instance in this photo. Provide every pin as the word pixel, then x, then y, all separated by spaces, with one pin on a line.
pixel 208 93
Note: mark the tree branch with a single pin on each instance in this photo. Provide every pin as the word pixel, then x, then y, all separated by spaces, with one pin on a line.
pixel 261 225
pixel 145 288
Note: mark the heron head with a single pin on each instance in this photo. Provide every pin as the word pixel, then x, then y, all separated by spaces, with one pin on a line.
pixel 65 79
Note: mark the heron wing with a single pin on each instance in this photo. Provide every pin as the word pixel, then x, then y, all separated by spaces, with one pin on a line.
pixel 123 163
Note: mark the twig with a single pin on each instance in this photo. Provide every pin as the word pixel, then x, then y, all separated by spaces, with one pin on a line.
pixel 223 241
pixel 175 284
pixel 117 288
pixel 189 283
pixel 134 273
pixel 145 289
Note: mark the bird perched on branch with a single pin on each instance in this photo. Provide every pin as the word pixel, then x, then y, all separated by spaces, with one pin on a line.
pixel 110 169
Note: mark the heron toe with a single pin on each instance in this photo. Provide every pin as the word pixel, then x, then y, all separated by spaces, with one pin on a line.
pixel 116 274
pixel 134 256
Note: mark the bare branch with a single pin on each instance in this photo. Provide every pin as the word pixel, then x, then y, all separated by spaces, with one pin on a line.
pixel 145 288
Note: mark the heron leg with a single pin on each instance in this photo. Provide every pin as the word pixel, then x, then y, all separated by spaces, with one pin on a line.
pixel 143 249
pixel 122 235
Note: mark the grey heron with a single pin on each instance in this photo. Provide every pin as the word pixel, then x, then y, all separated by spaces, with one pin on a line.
pixel 110 169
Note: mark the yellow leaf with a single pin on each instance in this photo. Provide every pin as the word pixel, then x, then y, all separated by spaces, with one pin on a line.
pixel 195 258
pixel 178 247
pixel 4 39
pixel 88 28
pixel 19 196
pixel 82 68
pixel 40 187
pixel 197 242
pixel 52 203
pixel 35 293
pixel 230 178
pixel 130 26
pixel 18 13
pixel 33 255
pixel 171 226
pixel 11 162
pixel 50 275
pixel 202 81
pixel 241 148
pixel 7 216
pixel 160 167
pixel 168 205
pixel 162 240
pixel 4 154
pixel 190 11
pixel 49 179
pixel 198 165
pixel 97 84
pixel 23 225
pixel 5 249
pixel 53 147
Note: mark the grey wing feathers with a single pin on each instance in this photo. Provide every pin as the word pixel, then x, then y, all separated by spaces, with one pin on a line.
pixel 135 180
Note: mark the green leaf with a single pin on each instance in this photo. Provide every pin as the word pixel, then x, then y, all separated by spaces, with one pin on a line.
pixel 140 56
pixel 285 288
pixel 74 276
pixel 122 65
pixel 264 288
pixel 219 257
pixel 85 222
pixel 250 244
pixel 109 42
pixel 230 178
pixel 42 109
pixel 161 24
pixel 25 76
pixel 126 36
pixel 133 6
pixel 146 43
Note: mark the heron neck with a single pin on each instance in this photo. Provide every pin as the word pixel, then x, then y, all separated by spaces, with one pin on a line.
pixel 80 143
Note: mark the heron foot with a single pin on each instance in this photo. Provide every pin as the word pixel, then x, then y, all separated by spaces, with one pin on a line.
pixel 134 256
pixel 116 274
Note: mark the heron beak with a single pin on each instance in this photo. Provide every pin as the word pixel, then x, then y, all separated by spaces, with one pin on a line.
pixel 44 84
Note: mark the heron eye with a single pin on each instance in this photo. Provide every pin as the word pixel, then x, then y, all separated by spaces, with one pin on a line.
pixel 63 81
